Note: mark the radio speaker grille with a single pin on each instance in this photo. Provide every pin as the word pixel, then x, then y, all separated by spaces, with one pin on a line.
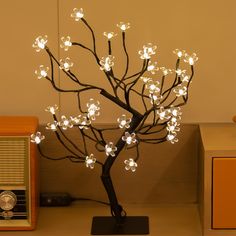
pixel 13 156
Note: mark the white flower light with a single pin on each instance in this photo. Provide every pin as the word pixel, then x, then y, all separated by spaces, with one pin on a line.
pixel 180 90
pixel 107 63
pixel 37 138
pixel 66 43
pixel 52 126
pixel 93 108
pixel 152 67
pixel 145 79
pixel 185 78
pixel 129 138
pixel 124 122
pixel 110 149
pixel 109 35
pixel 171 137
pixel 166 71
pixel 148 51
pixel 77 14
pixel 90 161
pixel 179 53
pixel 42 72
pixel 180 72
pixel 155 99
pixel 123 26
pixel 65 123
pixel 190 59
pixel 65 64
pixel 81 120
pixel 163 113
pixel 40 43
pixel 130 164
pixel 52 109
pixel 153 86
pixel 172 126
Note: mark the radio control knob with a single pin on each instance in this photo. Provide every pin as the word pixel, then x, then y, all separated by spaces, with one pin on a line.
pixel 7 200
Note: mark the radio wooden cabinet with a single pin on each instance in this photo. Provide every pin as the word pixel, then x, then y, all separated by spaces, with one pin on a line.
pixel 217 192
pixel 18 173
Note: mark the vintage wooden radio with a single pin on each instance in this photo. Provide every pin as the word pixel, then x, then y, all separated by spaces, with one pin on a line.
pixel 18 173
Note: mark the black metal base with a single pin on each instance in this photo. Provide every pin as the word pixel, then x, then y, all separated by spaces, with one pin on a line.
pixel 107 225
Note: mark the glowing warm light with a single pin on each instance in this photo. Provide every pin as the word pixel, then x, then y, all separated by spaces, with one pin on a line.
pixel 52 126
pixel 66 43
pixel 107 63
pixel 129 138
pixel 40 43
pixel 180 90
pixel 123 26
pixel 179 52
pixel 110 149
pixel 66 64
pixel 42 72
pixel 52 109
pixel 124 122
pixel 37 138
pixel 148 51
pixel 77 14
pixel 152 67
pixel 130 164
pixel 190 59
pixel 109 35
pixel 65 123
pixel 90 161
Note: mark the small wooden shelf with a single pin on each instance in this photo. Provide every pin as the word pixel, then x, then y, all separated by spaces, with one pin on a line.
pixel 218 179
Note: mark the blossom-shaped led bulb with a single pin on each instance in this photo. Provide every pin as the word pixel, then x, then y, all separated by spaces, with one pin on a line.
pixel 190 59
pixel 52 126
pixel 65 123
pixel 110 149
pixel 148 51
pixel 40 43
pixel 180 72
pixel 155 99
pixel 77 14
pixel 152 67
pixel 185 78
pixel 179 52
pixel 130 164
pixel 163 113
pixel 109 35
pixel 37 138
pixel 52 109
pixel 106 63
pixel 66 64
pixel 166 71
pixel 83 121
pixel 129 138
pixel 153 86
pixel 123 26
pixel 66 43
pixel 124 122
pixel 172 137
pixel 93 108
pixel 176 111
pixel 90 161
pixel 145 79
pixel 42 72
pixel 180 90
pixel 172 126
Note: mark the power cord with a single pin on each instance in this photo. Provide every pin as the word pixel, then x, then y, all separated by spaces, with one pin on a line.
pixel 51 199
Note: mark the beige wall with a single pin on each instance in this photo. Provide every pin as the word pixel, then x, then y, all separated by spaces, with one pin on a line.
pixel 204 26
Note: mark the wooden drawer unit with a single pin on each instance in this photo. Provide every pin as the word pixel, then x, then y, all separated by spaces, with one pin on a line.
pixel 217 186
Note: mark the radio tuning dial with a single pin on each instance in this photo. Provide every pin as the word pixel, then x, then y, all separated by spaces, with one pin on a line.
pixel 7 200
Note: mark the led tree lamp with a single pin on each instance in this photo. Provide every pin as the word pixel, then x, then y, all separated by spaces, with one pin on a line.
pixel 156 122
